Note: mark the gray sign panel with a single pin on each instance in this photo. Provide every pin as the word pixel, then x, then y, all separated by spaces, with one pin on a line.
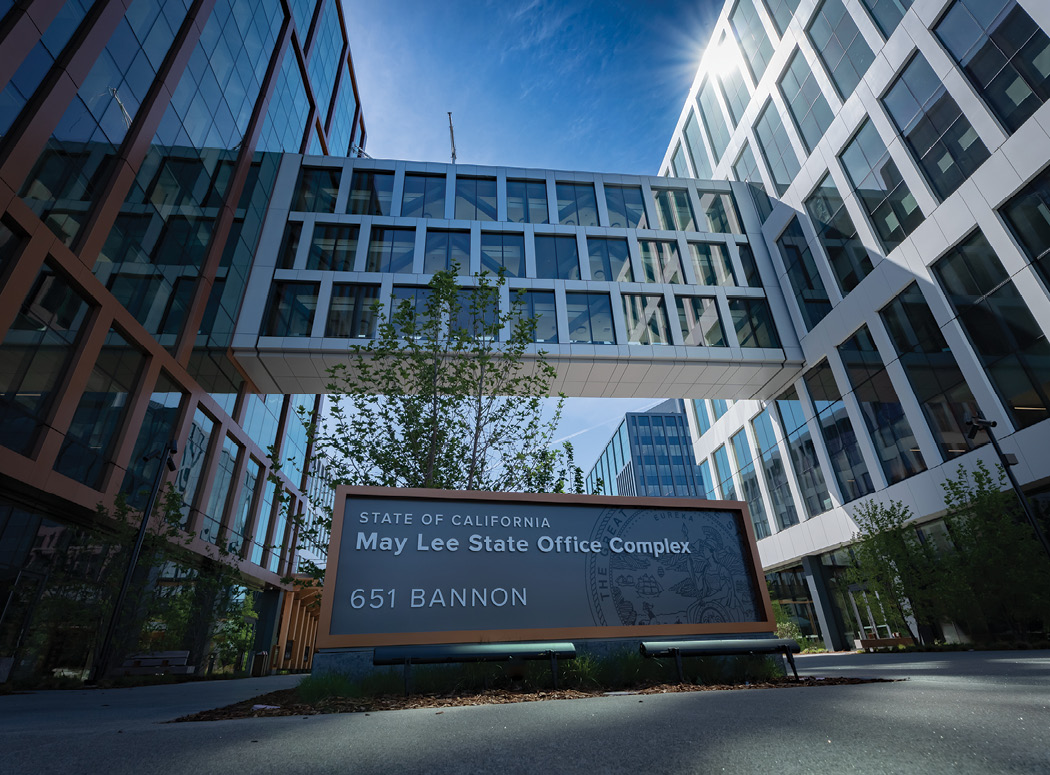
pixel 413 566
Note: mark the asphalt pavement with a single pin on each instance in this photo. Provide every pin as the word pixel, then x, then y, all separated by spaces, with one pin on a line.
pixel 963 712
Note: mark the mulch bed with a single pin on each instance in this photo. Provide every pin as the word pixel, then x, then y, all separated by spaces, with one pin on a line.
pixel 287 702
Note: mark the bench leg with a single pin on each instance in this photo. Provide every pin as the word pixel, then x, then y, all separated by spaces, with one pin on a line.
pixel 554 669
pixel 791 661
pixel 678 664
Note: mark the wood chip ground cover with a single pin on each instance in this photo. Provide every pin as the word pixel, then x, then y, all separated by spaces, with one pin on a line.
pixel 287 702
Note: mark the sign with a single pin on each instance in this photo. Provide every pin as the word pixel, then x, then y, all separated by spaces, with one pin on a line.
pixel 434 566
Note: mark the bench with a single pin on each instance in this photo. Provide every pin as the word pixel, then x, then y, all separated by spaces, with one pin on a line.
pixel 720 648
pixel 156 663
pixel 451 653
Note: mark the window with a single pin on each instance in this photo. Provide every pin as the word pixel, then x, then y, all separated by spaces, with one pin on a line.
pixel 749 482
pixel 753 323
pixel 840 45
pixel 351 314
pixel 936 132
pixel 752 36
pixel 626 207
pixel 695 146
pixel 745 169
pixel 711 264
pixel 503 251
pixel 646 319
pixel 880 188
pixel 317 190
pixel 805 101
pixel 714 120
pixel 720 213
pixel 773 470
pixel 1003 53
pixel 847 462
pixel 100 411
pixel 674 210
pixel 527 201
pixel 475 199
pixel 850 261
pixel 1027 214
pixel 576 204
pixel 370 193
pixel 158 425
pixel 445 250
pixel 590 318
pixel 725 474
pixel 37 351
pixel 699 321
pixel 610 260
pixel 291 309
pixel 704 472
pixel 703 420
pixel 191 461
pixel 333 248
pixel 806 283
pixel 781 12
pixel 539 306
pixel 678 162
pixel 719 406
pixel 225 469
pixel 660 261
pixel 289 245
pixel 424 196
pixel 932 371
pixel 390 250
pixel 887 13
pixel 888 426
pixel 557 258
pixel 735 92
pixel 1006 337
pixel 803 453
pixel 752 278
pixel 776 148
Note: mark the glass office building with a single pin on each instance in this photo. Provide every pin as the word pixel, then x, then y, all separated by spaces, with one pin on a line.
pixel 139 143
pixel 908 145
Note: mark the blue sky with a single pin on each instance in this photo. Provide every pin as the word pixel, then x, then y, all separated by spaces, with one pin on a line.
pixel 574 85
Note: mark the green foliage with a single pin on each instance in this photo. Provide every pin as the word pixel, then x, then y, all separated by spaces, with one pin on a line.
pixel 786 626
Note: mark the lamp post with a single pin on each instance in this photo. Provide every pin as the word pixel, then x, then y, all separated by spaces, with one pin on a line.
pixel 168 453
pixel 978 424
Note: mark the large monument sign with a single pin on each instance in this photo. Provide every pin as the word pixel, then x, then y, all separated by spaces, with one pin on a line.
pixel 434 566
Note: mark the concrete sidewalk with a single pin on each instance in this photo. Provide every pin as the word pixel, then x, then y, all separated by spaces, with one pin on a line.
pixel 977 712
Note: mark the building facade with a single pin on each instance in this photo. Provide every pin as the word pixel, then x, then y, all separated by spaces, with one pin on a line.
pixel 139 143
pixel 899 151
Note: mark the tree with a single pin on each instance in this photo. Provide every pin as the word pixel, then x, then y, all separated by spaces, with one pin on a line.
pixel 445 396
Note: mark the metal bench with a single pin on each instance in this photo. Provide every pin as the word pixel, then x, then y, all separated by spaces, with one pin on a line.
pixel 451 653
pixel 720 648
pixel 156 663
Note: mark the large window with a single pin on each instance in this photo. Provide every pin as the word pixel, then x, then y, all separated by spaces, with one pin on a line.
pixel 840 45
pixel 610 260
pixel 447 249
pixel 351 314
pixel 720 213
pixel 317 190
pixel 225 469
pixel 424 196
pixel 932 371
pixel 1027 214
pixel 749 482
pixel 803 453
pixel 701 325
pixel 503 252
pixel 291 309
pixel 745 169
pixel 577 205
pixel 752 36
pixel 714 120
pixel 711 264
pixel 333 248
pixel 557 258
pixel 773 470
pixel 590 318
pixel 850 261
pixel 1006 337
pixel 539 306
pixel 880 188
pixel 695 146
pixel 735 92
pixel 776 148
pixel 781 12
pixel 390 250
pixel 626 207
pixel 703 419
pixel 646 319
pixel 158 426
pixel 1003 53
pixel 674 210
pixel 805 101
pixel 887 13
pixel 753 323
pixel 370 193
pixel 527 201
pixel 934 129
pixel 475 199
pixel 806 283
pixel 36 351
pixel 660 261
pixel 725 474
pixel 840 439
pixel 897 448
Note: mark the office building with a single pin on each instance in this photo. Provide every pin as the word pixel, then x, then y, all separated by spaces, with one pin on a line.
pixel 899 151
pixel 139 142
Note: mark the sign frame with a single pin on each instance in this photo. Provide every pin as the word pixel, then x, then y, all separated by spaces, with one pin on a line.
pixel 343 494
